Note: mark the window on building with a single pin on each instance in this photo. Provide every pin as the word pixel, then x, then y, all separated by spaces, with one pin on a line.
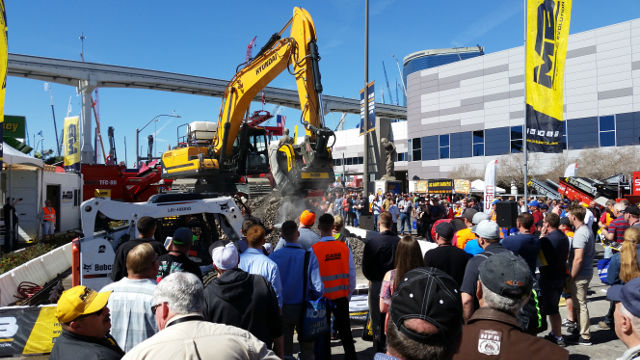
pixel 360 160
pixel 444 146
pixel 478 143
pixel 337 162
pixel 516 139
pixel 607 131
pixel 349 161
pixel 416 147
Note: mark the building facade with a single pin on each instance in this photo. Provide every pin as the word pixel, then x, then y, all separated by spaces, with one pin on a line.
pixel 471 111
pixel 427 59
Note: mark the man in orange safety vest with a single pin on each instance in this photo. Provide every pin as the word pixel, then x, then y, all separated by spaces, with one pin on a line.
pixel 339 279
pixel 48 220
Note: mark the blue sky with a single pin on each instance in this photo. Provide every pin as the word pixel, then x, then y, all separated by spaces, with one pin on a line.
pixel 209 38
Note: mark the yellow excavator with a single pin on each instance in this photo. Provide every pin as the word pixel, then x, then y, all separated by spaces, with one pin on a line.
pixel 219 156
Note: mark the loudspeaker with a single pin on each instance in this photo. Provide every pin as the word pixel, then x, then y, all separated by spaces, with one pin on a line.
pixel 506 214
pixel 366 222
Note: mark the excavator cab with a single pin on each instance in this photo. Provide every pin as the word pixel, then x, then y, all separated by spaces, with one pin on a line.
pixel 251 157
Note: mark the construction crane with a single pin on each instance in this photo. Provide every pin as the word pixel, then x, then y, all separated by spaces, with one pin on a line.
pixel 400 72
pixel 386 79
pixel 341 122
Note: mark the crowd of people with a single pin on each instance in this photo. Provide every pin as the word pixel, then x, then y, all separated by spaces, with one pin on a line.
pixel 447 282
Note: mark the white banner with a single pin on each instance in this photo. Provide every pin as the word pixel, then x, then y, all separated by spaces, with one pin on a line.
pixel 571 170
pixel 489 185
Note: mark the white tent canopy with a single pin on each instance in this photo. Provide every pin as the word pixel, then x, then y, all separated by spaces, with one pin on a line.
pixel 12 156
pixel 477 186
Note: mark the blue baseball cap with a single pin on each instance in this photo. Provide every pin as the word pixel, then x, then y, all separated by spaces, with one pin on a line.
pixel 495 201
pixel 534 203
pixel 628 294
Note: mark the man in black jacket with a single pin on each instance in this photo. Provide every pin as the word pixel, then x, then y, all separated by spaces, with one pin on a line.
pixel 377 259
pixel 85 321
pixel 146 227
pixel 243 300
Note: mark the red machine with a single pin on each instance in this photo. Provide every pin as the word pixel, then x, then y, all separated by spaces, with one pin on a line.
pixel 119 183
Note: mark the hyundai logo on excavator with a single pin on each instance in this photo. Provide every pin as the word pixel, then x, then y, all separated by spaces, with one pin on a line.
pixel 266 64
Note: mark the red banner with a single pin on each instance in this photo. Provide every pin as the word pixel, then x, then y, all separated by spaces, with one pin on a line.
pixel 636 184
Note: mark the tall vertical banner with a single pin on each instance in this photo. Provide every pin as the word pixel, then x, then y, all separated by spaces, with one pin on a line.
pixel 71 141
pixel 489 185
pixel 4 57
pixel 546 47
pixel 371 112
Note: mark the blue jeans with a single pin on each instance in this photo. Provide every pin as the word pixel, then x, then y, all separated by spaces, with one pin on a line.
pixel 405 218
pixel 375 222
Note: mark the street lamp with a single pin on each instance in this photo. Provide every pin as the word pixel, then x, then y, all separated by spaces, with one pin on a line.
pixel 138 131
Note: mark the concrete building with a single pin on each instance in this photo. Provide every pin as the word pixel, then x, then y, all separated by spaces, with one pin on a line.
pixel 471 111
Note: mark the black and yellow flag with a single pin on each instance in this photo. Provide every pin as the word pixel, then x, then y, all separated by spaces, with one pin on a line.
pixel 547 36
pixel 71 140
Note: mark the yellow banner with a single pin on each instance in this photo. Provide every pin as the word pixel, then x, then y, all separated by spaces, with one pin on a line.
pixel 547 36
pixel 71 142
pixel 4 55
pixel 461 186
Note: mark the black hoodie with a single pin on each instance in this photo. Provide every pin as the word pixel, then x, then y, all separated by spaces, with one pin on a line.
pixel 246 301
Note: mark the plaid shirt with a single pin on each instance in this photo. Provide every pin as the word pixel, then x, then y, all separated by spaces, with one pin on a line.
pixel 130 306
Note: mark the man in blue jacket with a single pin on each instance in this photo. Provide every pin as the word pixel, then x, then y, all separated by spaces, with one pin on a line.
pixel 291 261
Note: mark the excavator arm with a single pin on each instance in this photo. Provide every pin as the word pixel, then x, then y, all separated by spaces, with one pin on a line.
pixel 296 168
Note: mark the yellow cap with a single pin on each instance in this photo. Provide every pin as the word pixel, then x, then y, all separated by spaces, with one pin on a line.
pixel 80 300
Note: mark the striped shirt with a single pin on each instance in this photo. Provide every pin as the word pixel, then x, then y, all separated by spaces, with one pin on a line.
pixel 618 227
pixel 130 305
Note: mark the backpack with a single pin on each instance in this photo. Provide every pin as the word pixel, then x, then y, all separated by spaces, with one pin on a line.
pixel 531 318
pixel 603 270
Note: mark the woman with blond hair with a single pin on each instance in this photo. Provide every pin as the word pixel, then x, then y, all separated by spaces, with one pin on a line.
pixel 624 265
pixel 623 268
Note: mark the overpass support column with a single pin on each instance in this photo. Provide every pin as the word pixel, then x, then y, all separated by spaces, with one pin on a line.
pixel 85 88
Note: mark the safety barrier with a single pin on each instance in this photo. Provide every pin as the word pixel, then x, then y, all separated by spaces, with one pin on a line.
pixel 39 270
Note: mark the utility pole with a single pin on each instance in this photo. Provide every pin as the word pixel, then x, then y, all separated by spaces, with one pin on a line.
pixel 365 122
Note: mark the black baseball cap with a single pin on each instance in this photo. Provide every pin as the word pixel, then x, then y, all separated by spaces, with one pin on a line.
pixel 628 294
pixel 182 236
pixel 633 210
pixel 445 230
pixel 506 274
pixel 428 294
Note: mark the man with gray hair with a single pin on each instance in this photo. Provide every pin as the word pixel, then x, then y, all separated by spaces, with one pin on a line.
pixel 488 234
pixel 627 316
pixel 504 287
pixel 184 334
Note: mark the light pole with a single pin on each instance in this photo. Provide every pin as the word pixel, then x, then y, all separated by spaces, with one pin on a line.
pixel 138 131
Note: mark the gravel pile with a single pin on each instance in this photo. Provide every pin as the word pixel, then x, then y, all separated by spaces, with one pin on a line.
pixel 273 209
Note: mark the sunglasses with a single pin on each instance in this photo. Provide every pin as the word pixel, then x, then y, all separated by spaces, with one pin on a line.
pixel 154 307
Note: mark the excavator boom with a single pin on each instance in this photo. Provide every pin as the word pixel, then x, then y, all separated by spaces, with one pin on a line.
pixel 234 150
